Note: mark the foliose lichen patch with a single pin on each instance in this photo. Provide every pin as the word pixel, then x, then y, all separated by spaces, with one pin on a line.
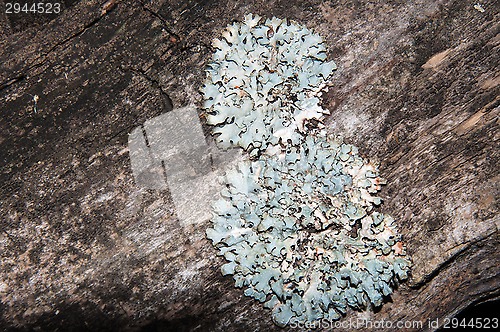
pixel 262 83
pixel 298 224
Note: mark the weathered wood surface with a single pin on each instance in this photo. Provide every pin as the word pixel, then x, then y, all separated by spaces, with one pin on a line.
pixel 81 245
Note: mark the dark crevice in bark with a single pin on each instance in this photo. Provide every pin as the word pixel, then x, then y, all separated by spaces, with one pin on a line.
pixel 166 100
pixel 165 22
pixel 12 81
pixel 453 258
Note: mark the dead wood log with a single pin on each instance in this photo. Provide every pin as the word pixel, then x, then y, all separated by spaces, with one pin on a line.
pixel 83 247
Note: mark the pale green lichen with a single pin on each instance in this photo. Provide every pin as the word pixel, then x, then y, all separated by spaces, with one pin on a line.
pixel 263 81
pixel 297 225
pixel 300 233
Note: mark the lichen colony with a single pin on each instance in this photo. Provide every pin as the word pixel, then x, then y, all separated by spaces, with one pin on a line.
pixel 296 221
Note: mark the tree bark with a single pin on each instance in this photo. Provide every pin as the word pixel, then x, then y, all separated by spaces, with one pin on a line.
pixel 84 247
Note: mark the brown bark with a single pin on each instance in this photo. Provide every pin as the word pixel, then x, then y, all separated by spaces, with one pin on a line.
pixel 81 245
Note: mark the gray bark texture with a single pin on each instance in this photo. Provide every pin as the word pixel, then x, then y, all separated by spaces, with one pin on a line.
pixel 84 248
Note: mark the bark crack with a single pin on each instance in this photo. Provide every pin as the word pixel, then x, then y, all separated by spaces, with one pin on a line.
pixel 44 56
pixel 12 81
pixel 163 20
pixel 441 267
pixel 167 102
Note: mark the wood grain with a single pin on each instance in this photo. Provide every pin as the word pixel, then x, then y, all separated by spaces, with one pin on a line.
pixel 82 245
